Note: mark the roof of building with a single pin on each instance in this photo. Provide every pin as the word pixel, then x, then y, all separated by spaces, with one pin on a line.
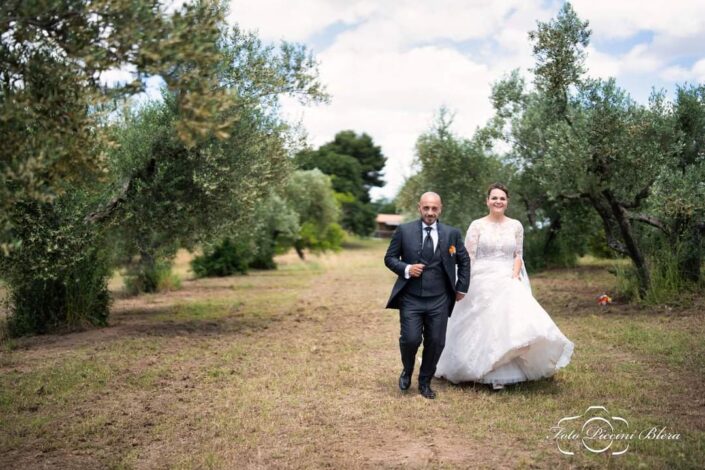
pixel 390 219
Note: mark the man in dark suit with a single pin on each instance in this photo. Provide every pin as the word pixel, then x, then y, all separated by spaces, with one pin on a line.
pixel 424 254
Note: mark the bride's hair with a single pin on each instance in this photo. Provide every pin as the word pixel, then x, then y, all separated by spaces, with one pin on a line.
pixel 499 186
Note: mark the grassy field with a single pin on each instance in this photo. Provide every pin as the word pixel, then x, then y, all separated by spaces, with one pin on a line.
pixel 297 368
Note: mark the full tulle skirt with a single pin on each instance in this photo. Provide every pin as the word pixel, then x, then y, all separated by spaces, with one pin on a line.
pixel 499 333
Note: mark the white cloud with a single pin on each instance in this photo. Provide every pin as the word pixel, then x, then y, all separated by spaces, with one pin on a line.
pixel 675 32
pixel 393 97
pixel 600 64
pixel 676 74
pixel 456 20
pixel 296 21
pixel 398 61
pixel 415 20
pixel 639 59
pixel 699 71
pixel 510 37
pixel 390 72
pixel 679 74
pixel 624 18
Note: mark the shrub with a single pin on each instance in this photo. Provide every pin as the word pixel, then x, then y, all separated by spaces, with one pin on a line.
pixel 57 278
pixel 77 298
pixel 151 277
pixel 666 286
pixel 225 259
pixel 538 255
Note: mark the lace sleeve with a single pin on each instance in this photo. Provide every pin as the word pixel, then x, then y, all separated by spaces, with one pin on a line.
pixel 472 239
pixel 519 235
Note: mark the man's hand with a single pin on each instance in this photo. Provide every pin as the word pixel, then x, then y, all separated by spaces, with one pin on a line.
pixel 416 269
pixel 459 296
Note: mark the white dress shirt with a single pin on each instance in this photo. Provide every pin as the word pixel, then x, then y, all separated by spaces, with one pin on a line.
pixel 434 239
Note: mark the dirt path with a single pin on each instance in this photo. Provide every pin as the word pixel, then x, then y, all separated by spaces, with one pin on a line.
pixel 294 368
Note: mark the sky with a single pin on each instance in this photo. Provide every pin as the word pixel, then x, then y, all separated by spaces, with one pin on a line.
pixel 390 65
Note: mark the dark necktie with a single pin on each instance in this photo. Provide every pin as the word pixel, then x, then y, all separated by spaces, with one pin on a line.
pixel 427 250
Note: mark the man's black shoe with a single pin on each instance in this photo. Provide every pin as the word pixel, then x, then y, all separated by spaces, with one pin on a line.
pixel 404 381
pixel 426 391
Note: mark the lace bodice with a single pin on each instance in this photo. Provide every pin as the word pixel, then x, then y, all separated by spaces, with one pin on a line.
pixel 491 240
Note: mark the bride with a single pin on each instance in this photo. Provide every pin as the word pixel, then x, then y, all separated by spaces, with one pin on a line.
pixel 499 334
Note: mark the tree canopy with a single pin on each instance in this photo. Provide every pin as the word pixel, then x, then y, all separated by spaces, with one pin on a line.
pixel 53 100
pixel 585 140
pixel 355 166
pixel 84 176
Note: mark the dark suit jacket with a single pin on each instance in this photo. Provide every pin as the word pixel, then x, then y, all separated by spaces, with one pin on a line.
pixel 405 249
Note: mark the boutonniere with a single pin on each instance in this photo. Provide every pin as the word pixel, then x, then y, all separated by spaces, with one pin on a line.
pixel 451 250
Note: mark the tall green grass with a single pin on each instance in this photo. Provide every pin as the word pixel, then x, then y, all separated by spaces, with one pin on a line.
pixel 667 286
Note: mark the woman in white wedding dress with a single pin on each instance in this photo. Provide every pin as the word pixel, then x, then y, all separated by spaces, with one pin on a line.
pixel 499 334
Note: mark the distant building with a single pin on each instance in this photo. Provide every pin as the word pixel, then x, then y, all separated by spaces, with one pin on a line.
pixel 386 224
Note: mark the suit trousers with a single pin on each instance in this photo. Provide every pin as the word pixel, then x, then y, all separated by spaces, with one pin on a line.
pixel 427 318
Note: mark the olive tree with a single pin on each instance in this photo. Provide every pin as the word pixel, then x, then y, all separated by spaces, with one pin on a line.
pixel 73 176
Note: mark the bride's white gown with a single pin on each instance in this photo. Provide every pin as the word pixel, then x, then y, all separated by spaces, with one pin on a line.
pixel 499 333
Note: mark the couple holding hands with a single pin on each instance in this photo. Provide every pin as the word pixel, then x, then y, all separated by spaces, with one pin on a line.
pixel 469 301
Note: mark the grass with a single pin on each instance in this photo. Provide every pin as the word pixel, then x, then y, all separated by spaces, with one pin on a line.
pixel 297 368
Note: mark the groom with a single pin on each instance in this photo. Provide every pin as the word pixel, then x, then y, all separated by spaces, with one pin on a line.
pixel 424 254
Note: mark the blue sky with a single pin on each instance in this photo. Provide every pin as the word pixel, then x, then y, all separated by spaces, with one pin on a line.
pixel 389 65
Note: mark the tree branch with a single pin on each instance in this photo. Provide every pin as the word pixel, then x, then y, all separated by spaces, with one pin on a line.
pixel 607 222
pixel 573 197
pixel 105 211
pixel 529 211
pixel 631 243
pixel 648 219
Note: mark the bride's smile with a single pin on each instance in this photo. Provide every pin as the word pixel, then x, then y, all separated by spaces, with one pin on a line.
pixel 497 202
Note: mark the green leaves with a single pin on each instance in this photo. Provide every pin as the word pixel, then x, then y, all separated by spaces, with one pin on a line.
pixel 559 48
pixel 182 171
pixel 458 169
pixel 355 165
pixel 51 98
pixel 587 140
